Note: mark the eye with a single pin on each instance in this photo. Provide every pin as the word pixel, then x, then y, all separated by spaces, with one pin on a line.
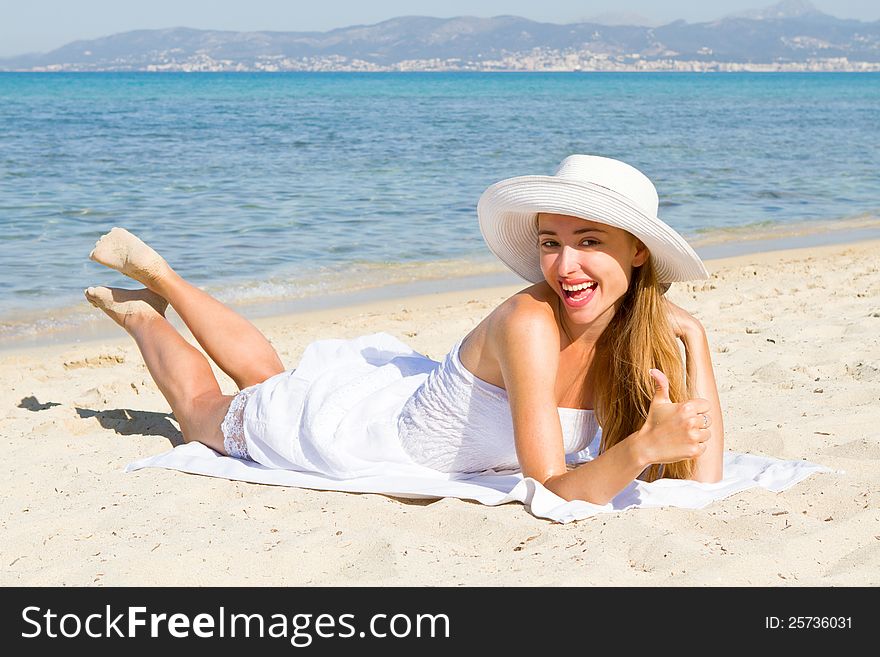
pixel 549 244
pixel 589 241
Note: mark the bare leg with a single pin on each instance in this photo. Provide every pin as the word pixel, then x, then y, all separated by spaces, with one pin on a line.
pixel 236 345
pixel 182 373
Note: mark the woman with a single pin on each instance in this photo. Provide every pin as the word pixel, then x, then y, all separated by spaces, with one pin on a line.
pixel 591 343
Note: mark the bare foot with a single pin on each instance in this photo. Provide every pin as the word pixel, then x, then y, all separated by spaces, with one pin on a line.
pixel 122 251
pixel 125 307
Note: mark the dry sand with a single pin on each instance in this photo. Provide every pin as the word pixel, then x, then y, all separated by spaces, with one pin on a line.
pixel 796 343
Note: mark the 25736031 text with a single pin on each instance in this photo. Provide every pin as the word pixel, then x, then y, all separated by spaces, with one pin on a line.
pixel 808 622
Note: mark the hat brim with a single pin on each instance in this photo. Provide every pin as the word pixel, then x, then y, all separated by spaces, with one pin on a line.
pixel 507 210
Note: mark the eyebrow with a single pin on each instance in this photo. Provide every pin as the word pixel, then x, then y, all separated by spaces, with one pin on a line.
pixel 577 232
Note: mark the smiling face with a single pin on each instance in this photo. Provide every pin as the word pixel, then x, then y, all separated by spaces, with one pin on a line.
pixel 587 264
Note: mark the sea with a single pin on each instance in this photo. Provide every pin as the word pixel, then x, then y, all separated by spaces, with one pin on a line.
pixel 297 190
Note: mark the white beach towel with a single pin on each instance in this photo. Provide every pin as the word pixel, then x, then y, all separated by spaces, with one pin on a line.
pixel 741 471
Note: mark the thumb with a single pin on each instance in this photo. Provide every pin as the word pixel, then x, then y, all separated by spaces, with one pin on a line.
pixel 661 387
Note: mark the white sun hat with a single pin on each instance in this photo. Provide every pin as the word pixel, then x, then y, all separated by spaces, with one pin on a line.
pixel 590 187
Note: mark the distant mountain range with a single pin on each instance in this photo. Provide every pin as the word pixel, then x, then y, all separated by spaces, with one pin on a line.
pixel 791 35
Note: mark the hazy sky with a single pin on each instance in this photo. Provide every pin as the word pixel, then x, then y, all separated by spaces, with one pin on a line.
pixel 41 25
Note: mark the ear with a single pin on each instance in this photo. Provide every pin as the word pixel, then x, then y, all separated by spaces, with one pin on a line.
pixel 641 255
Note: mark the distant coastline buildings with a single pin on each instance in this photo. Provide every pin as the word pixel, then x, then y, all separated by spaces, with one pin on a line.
pixel 789 36
pixel 538 60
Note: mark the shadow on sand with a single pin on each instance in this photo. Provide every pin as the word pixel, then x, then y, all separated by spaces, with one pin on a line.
pixel 128 422
pixel 33 404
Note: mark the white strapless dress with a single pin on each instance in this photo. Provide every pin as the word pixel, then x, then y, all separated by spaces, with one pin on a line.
pixel 353 406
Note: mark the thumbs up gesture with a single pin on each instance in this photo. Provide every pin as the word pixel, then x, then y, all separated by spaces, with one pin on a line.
pixel 673 432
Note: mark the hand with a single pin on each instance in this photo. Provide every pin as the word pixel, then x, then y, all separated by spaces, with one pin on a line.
pixel 673 432
pixel 683 324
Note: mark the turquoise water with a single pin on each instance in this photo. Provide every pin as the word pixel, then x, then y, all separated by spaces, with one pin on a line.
pixel 285 185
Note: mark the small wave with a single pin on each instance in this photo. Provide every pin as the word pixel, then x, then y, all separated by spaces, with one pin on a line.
pixel 769 193
pixel 296 284
pixel 24 325
pixel 311 288
pixel 769 229
pixel 83 212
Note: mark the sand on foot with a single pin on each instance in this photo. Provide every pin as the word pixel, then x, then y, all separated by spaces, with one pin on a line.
pixel 127 254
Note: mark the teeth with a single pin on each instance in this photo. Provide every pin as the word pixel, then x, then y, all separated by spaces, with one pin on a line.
pixel 575 288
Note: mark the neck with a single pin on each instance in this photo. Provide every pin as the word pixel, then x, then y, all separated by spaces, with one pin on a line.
pixel 585 335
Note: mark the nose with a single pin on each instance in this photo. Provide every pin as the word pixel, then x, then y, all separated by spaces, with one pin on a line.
pixel 567 262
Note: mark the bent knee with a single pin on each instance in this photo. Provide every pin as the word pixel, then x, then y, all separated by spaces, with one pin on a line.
pixel 258 374
pixel 200 418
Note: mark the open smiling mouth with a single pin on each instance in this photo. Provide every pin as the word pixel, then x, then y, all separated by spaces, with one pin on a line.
pixel 579 294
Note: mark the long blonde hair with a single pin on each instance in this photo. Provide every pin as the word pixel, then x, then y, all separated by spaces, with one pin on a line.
pixel 638 338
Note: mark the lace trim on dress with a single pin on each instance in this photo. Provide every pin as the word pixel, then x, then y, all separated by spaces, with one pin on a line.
pixel 232 426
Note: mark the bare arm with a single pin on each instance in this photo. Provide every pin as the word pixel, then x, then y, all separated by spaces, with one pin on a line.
pixel 600 480
pixel 526 343
pixel 701 383
pixel 672 432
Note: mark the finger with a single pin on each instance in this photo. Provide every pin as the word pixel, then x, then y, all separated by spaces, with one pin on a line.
pixel 703 435
pixel 705 420
pixel 661 387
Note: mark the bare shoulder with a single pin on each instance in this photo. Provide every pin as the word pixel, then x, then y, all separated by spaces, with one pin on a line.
pixel 522 325
pixel 527 310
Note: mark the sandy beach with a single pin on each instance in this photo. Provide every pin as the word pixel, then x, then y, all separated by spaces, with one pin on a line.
pixel 796 342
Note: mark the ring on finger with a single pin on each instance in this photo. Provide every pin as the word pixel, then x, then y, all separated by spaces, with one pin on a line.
pixel 705 420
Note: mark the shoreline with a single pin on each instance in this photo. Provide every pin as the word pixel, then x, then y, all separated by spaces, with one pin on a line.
pixel 88 325
pixel 423 296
